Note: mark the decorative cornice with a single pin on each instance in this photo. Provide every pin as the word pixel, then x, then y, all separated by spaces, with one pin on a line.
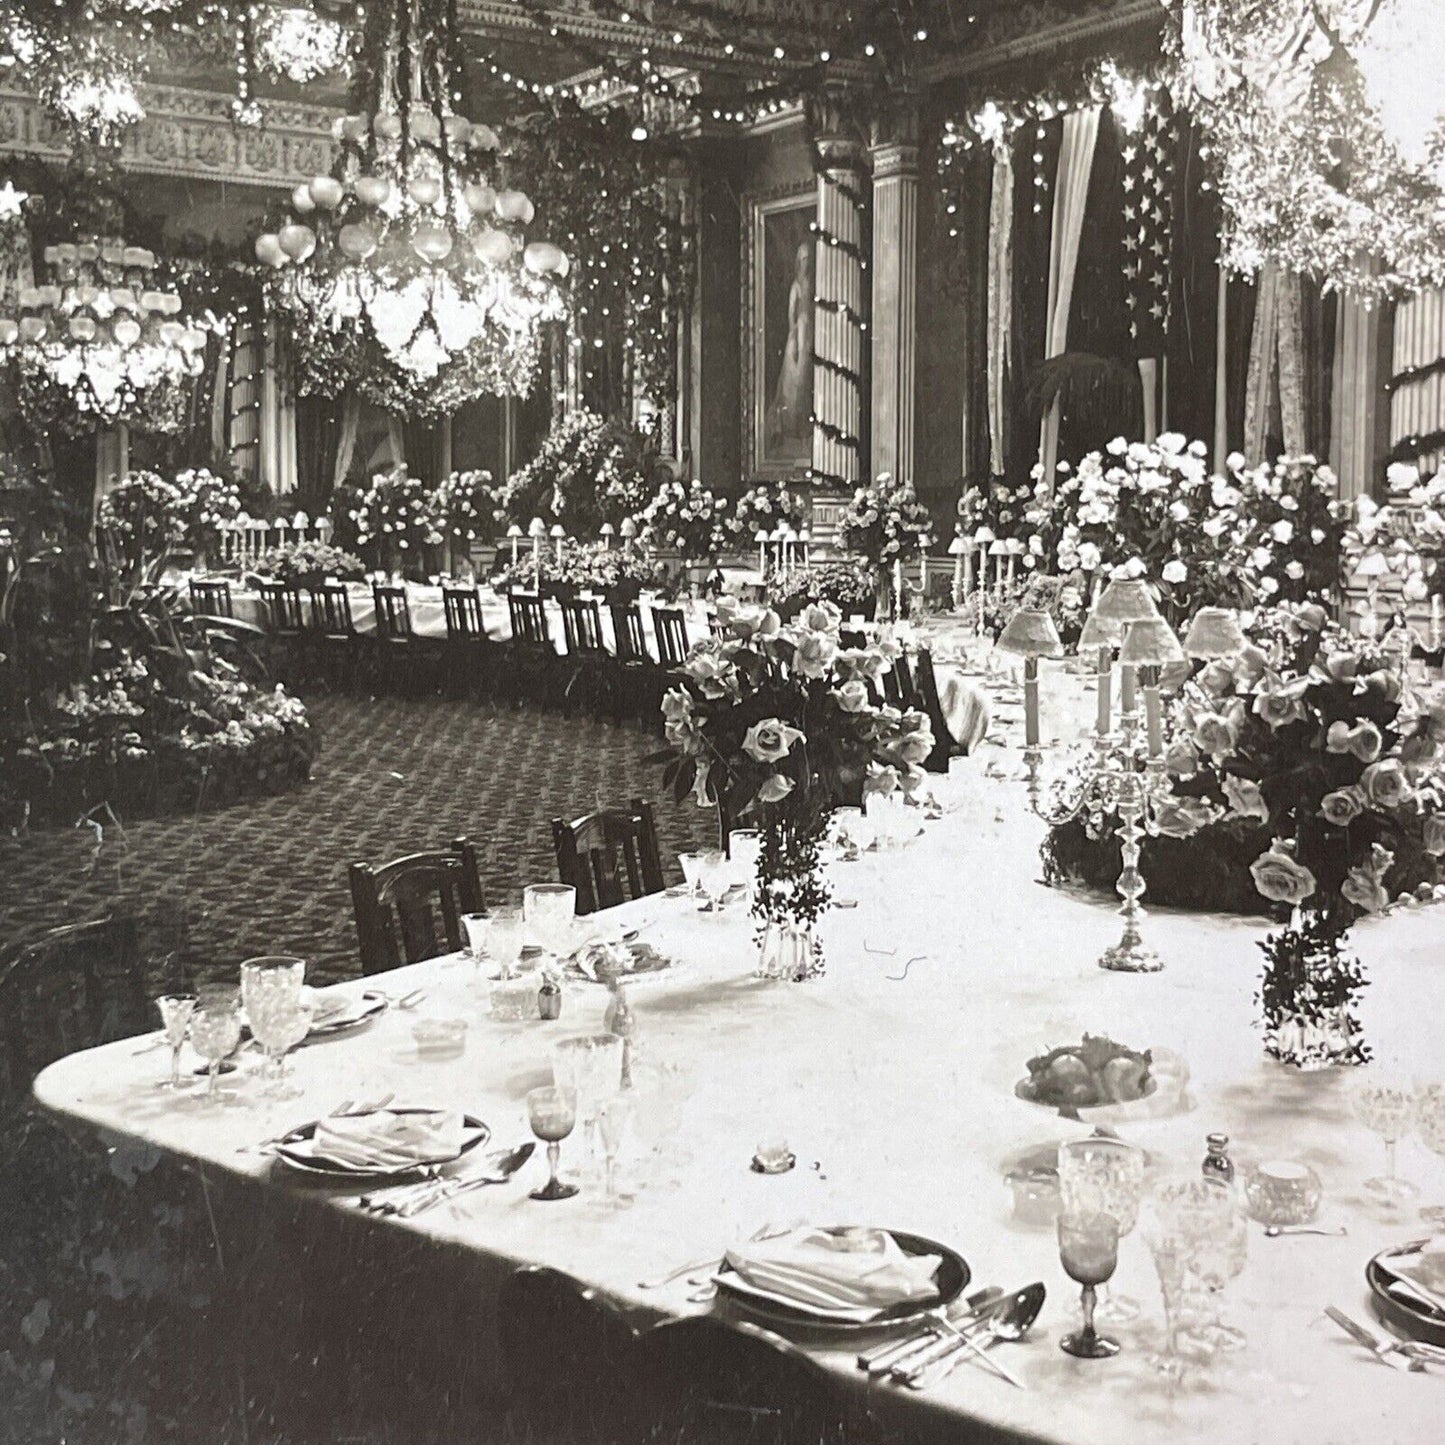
pixel 190 133
pixel 1130 15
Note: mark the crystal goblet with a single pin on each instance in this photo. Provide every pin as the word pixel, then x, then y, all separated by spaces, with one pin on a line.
pixel 1101 1175
pixel 271 996
pixel 176 1010
pixel 1204 1215
pixel 215 1030
pixel 745 846
pixel 1385 1105
pixel 1430 1126
pixel 551 910
pixel 506 934
pixel 712 878
pixel 477 926
pixel 552 1113
pixel 1089 1251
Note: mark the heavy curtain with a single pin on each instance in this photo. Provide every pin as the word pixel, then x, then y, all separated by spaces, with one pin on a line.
pixel 1000 300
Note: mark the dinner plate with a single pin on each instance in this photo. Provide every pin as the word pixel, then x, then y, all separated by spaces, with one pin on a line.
pixel 1413 1320
pixel 647 962
pixel 294 1149
pixel 950 1279
pixel 356 1013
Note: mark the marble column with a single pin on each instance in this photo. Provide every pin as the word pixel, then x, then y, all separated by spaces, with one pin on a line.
pixel 839 302
pixel 895 288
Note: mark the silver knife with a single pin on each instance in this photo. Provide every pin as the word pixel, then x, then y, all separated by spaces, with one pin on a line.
pixel 1372 1342
pixel 882 1358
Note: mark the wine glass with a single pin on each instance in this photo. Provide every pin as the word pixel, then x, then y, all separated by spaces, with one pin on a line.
pixel 1101 1175
pixel 691 871
pixel 1171 1254
pixel 477 926
pixel 712 878
pixel 1385 1105
pixel 176 1010
pixel 614 1124
pixel 1430 1126
pixel 551 910
pixel 1212 1238
pixel 745 846
pixel 1089 1250
pixel 215 1029
pixel 506 933
pixel 552 1113
pixel 848 836
pixel 271 996
pixel 590 1067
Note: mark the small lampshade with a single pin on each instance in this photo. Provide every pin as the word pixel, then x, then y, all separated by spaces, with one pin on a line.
pixel 1150 643
pixel 763 535
pixel 537 527
pixel 629 527
pixel 1031 633
pixel 1372 564
pixel 998 548
pixel 1215 632
pixel 558 530
pixel 607 530
pixel 1100 632
pixel 958 547
pixel 514 530
pixel 1126 599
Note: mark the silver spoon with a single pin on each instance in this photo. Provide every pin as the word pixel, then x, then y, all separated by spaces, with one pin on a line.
pixel 1273 1231
pixel 889 1356
pixel 1010 1325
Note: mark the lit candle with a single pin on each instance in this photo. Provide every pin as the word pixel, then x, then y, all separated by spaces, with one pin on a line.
pixel 1128 702
pixel 1031 701
pixel 1153 714
pixel 967 571
pixel 1105 679
pixel 537 563
pixel 1434 620
pixel 898 585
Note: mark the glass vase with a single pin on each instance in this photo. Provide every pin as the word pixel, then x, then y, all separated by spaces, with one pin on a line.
pixel 789 951
pixel 1309 1040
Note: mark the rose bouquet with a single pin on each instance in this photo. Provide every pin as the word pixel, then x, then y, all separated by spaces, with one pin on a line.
pixel 688 518
pixel 846 585
pixel 884 522
pixel 779 725
pixel 308 562
pixel 465 509
pixel 583 567
pixel 396 518
pixel 763 508
pixel 999 506
pixel 1291 525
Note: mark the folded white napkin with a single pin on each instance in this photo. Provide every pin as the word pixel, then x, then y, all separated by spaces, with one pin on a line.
pixel 836 1268
pixel 325 1006
pixel 1424 1268
pixel 385 1140
pixel 965 710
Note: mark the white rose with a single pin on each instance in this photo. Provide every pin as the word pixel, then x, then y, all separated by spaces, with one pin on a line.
pixel 1174 572
pixel 1089 556
pixel 1282 532
pixel 1179 511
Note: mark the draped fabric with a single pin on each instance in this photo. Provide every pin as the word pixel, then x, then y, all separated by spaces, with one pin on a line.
pixel 220 390
pixel 112 457
pixel 244 420
pixel 1356 377
pixel 1076 161
pixel 1221 372
pixel 278 420
pixel 1000 300
pixel 1417 402
pixel 1275 368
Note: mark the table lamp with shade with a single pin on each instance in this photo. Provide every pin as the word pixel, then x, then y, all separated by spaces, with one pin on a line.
pixel 607 532
pixel 514 536
pixel 1102 637
pixel 962 555
pixel 537 530
pixel 629 531
pixel 559 535
pixel 1031 634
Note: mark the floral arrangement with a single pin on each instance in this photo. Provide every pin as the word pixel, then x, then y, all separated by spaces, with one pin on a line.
pixel 846 585
pixel 997 506
pixel 764 507
pixel 396 516
pixel 884 522
pixel 687 518
pixel 1407 531
pixel 305 562
pixel 1063 598
pixel 143 514
pixel 584 567
pixel 1290 526
pixel 465 509
pixel 587 471
pixel 777 724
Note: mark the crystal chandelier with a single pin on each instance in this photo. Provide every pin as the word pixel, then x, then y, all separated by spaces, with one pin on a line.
pixel 100 345
pixel 297 44
pixel 406 272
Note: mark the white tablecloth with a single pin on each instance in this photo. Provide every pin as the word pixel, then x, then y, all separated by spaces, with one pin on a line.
pixel 892 1079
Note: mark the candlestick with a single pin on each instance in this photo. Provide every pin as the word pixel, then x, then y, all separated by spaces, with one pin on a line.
pixel 1153 713
pixel 967 572
pixel 1105 675
pixel 1128 699
pixel 1031 702
pixel 1434 621
pixel 514 551
pixel 898 586
pixel 537 563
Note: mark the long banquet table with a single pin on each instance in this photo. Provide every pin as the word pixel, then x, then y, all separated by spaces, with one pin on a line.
pixel 892 1079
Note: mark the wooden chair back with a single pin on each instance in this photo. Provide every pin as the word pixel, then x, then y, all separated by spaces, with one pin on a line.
pixel 73 988
pixel 282 604
pixel 628 638
pixel 393 613
pixel 716 626
pixel 211 597
pixel 898 682
pixel 411 908
pixel 609 856
pixel 670 628
pixel 528 615
pixel 852 637
pixel 463 607
pixel 331 610
pixel 926 699
pixel 582 627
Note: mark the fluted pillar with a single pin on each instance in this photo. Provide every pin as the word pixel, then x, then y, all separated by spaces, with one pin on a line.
pixel 839 304
pixel 895 288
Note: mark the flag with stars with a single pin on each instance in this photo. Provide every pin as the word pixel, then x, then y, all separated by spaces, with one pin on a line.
pixel 1147 175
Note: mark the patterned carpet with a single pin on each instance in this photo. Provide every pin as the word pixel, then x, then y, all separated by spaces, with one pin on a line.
pixel 394 775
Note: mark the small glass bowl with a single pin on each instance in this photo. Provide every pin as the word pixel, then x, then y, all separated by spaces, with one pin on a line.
pixel 439 1038
pixel 1282 1191
pixel 514 1000
pixel 1036 1196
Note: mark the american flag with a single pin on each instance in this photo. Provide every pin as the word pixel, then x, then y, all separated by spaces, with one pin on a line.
pixel 1148 179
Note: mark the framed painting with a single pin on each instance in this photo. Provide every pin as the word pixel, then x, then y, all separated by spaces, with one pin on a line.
pixel 777 342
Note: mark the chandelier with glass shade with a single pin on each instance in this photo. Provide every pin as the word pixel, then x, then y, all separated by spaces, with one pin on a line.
pixel 1326 127
pixel 406 272
pixel 101 344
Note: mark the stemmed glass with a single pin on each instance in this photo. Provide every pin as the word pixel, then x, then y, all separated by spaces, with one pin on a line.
pixel 1430 1125
pixel 506 933
pixel 614 1121
pixel 745 846
pixel 589 1066
pixel 1089 1250
pixel 215 1029
pixel 1209 1234
pixel 1101 1175
pixel 552 1113
pixel 712 879
pixel 1172 1263
pixel 477 926
pixel 691 871
pixel 271 996
pixel 551 911
pixel 1386 1105
pixel 176 1010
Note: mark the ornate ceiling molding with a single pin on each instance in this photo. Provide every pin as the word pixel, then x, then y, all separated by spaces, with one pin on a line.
pixel 190 133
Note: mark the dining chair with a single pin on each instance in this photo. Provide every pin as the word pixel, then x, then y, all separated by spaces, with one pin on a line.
pixel 592 669
pixel 74 987
pixel 532 653
pixel 926 699
pixel 609 856
pixel 468 646
pixel 639 678
pixel 211 597
pixel 332 633
pixel 404 661
pixel 281 605
pixel 710 1380
pixel 669 627
pixel 411 908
